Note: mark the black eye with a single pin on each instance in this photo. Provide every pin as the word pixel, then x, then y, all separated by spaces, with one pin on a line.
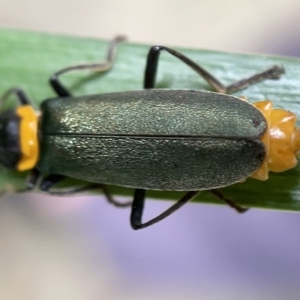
pixel 10 151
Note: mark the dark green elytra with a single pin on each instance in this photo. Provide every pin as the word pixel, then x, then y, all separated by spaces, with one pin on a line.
pixel 152 139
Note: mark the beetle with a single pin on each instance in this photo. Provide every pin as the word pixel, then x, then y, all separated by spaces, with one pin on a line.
pixel 158 139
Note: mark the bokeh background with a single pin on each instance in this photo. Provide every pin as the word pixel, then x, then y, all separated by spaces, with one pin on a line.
pixel 83 248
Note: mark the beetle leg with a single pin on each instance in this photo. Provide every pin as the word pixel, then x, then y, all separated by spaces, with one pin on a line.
pixel 138 207
pixel 230 202
pixel 34 177
pixel 32 181
pixel 110 199
pixel 152 63
pixel 19 93
pixel 48 182
pixel 104 66
pixel 273 72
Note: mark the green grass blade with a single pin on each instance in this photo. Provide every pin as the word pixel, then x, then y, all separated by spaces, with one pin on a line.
pixel 27 60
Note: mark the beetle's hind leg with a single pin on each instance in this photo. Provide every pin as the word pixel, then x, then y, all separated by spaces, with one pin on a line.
pixel 104 66
pixel 273 72
pixel 230 202
pixel 138 207
pixel 47 184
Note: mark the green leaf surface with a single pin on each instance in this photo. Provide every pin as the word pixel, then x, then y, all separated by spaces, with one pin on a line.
pixel 27 59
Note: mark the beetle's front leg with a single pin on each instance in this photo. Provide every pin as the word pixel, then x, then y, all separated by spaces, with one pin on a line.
pixel 104 66
pixel 51 180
